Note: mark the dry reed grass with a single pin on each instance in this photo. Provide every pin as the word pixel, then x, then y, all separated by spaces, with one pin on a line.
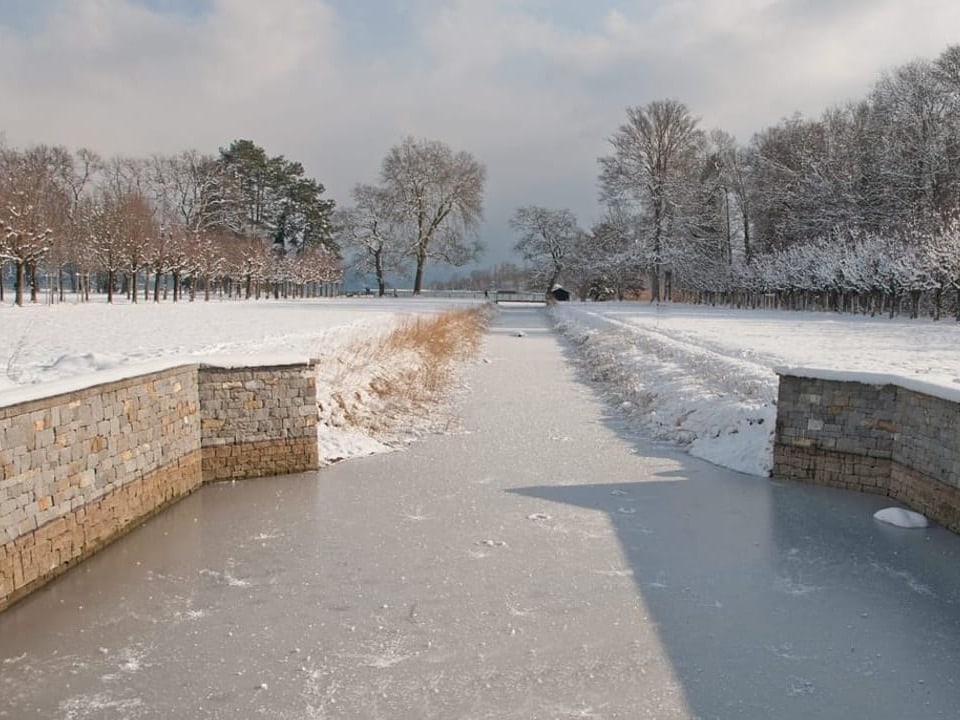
pixel 392 386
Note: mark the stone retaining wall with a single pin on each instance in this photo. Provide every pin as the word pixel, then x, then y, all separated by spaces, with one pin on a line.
pixel 258 421
pixel 882 437
pixel 79 469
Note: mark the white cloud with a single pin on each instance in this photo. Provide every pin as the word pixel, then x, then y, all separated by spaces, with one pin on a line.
pixel 120 78
pixel 529 91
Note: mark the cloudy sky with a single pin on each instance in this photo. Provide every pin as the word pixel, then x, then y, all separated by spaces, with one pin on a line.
pixel 533 88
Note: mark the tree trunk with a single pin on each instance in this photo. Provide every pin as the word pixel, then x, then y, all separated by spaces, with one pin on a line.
pixel 550 283
pixel 378 269
pixel 418 278
pixel 747 247
pixel 110 286
pixel 657 246
pixel 19 282
pixel 33 282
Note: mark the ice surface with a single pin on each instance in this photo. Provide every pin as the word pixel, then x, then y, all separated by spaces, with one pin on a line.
pixel 423 584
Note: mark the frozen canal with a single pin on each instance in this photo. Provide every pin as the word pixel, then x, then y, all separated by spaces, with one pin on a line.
pixel 541 564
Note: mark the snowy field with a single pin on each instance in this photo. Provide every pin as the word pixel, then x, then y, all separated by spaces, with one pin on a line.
pixel 87 342
pixel 697 376
pixel 704 377
pixel 47 350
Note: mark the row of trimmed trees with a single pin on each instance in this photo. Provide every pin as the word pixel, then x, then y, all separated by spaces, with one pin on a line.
pixel 239 219
pixel 242 222
pixel 854 210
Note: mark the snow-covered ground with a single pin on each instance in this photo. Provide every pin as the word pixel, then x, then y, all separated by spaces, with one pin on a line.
pixel 699 376
pixel 52 349
pixel 704 377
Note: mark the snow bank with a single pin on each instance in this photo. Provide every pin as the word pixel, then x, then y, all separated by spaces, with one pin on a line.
pixel 720 408
pixel 706 377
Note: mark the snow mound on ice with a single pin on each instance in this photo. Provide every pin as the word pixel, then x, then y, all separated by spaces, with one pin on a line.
pixel 900 517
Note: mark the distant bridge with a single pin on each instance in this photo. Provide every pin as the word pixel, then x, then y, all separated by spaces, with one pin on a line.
pixel 519 296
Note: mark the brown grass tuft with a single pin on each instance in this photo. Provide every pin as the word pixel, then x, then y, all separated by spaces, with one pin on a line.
pixel 441 342
pixel 396 381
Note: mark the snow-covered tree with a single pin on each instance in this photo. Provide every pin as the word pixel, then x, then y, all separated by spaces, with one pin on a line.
pixel 547 237
pixel 105 236
pixel 33 209
pixel 654 163
pixel 918 141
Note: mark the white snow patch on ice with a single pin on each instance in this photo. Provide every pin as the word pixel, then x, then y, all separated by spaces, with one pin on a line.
pixel 792 586
pixel 99 705
pixel 225 577
pixel 901 517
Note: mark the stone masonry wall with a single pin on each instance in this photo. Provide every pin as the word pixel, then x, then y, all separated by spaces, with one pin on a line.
pixel 79 469
pixel 258 421
pixel 880 438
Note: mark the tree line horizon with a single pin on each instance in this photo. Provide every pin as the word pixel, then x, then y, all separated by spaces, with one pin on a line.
pixel 855 210
pixel 242 222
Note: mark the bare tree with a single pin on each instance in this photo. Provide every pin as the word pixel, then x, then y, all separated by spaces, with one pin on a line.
pixel 140 233
pixel 368 230
pixel 78 174
pixel 654 156
pixel 189 188
pixel 437 196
